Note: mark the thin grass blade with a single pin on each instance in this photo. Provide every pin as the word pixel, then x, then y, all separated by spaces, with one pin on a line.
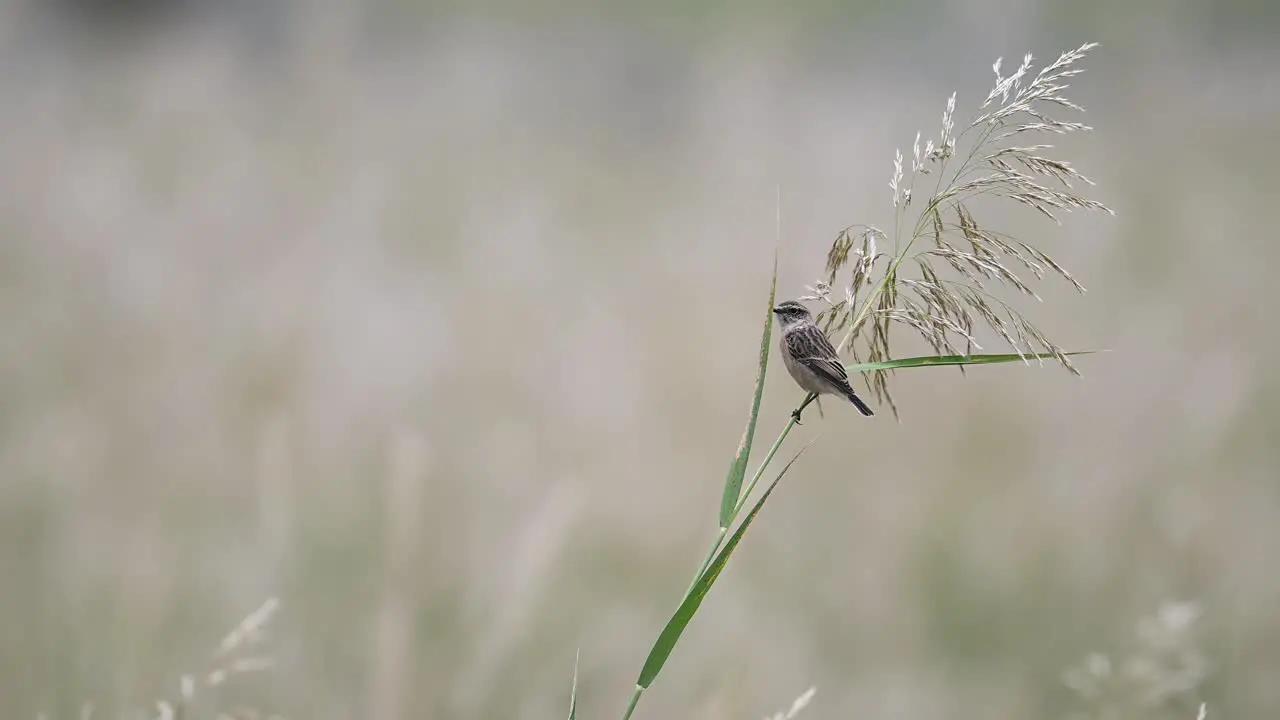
pixel 680 620
pixel 738 468
pixel 573 692
pixel 931 360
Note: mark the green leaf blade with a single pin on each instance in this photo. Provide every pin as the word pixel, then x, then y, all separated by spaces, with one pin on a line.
pixel 932 360
pixel 670 635
pixel 738 468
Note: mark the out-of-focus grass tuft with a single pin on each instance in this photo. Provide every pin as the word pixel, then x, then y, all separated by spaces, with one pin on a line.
pixel 1156 676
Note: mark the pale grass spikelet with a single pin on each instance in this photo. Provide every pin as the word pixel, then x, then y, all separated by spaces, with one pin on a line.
pixel 246 635
pixel 895 181
pixel 249 630
pixel 220 675
pixel 229 661
pixel 944 277
pixel 797 705
pixel 947 142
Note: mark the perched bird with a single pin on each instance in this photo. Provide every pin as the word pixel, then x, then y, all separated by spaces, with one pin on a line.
pixel 810 358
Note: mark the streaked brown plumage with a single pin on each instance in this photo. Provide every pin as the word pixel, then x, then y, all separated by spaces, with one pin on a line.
pixel 810 357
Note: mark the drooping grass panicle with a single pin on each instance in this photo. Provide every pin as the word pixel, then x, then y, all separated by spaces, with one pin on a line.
pixel 946 271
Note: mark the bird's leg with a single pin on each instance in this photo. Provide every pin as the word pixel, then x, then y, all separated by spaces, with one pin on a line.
pixel 795 414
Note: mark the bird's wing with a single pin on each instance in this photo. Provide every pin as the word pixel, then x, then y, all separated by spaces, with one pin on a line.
pixel 809 346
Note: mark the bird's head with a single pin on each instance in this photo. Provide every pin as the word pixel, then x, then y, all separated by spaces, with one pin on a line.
pixel 792 313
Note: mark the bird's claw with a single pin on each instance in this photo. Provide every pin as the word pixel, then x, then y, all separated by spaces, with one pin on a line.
pixel 795 415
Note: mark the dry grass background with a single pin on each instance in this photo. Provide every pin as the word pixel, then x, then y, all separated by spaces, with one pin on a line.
pixel 440 326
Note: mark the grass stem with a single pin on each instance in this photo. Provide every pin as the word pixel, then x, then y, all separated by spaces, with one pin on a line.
pixel 631 705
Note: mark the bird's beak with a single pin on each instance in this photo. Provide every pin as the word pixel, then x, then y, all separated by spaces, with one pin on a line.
pixel 776 311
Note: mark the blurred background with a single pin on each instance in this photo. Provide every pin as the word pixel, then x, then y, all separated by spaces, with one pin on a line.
pixel 437 322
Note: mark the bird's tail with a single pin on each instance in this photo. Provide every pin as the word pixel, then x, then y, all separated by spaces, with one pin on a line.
pixel 857 402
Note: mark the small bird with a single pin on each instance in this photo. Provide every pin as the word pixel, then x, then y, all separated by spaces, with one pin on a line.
pixel 810 358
